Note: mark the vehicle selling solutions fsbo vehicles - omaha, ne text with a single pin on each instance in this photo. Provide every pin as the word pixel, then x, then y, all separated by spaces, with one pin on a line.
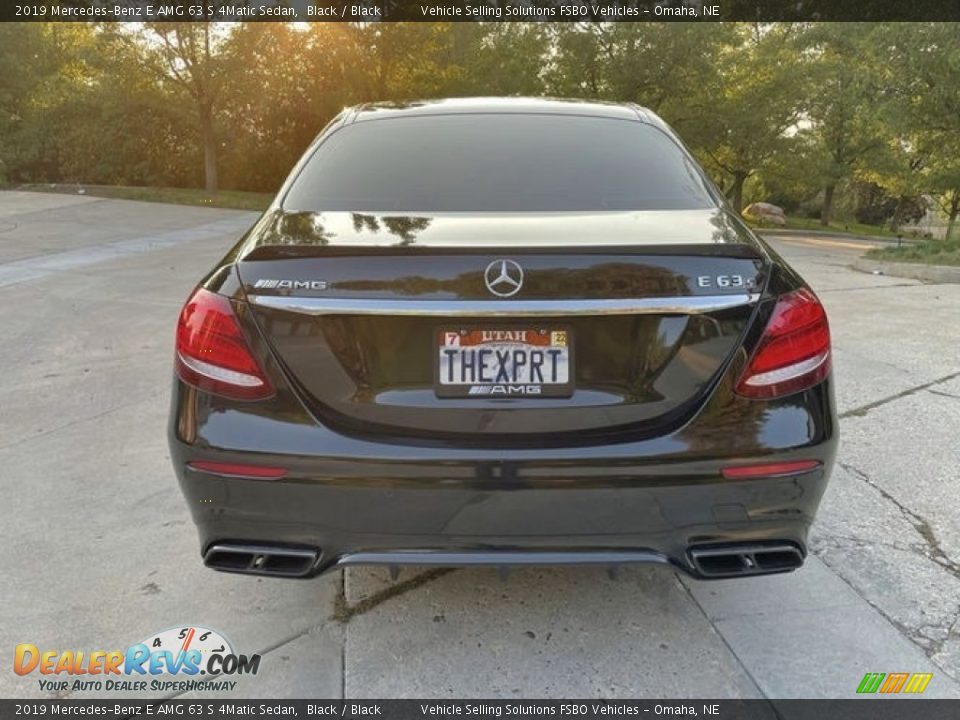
pixel 502 331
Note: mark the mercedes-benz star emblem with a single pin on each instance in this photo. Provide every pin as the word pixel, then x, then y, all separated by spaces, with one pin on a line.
pixel 503 277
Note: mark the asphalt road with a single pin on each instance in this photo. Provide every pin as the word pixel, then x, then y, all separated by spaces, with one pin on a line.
pixel 99 551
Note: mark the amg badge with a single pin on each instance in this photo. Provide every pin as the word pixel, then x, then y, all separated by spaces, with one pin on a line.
pixel 506 390
pixel 291 284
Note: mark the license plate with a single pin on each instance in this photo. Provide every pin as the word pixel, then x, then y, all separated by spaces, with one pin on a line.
pixel 497 362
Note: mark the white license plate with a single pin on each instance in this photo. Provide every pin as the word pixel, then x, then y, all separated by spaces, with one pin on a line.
pixel 504 362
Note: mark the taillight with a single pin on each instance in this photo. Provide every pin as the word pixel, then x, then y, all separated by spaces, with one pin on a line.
pixel 794 351
pixel 212 353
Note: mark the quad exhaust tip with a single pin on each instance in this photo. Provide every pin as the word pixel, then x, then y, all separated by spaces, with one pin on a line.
pixel 277 561
pixel 752 559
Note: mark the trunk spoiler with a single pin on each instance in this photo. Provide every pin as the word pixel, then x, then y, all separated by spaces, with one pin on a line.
pixel 286 252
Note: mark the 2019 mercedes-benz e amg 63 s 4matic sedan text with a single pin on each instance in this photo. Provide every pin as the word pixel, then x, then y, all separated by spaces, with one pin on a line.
pixel 502 332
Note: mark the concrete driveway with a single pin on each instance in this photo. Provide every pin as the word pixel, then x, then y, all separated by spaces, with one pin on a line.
pixel 99 550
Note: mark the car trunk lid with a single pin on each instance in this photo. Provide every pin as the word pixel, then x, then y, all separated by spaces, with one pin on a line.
pixel 357 309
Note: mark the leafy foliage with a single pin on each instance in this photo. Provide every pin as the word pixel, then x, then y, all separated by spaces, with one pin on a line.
pixel 798 114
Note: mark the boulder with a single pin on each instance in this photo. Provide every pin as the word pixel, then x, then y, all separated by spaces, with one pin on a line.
pixel 765 214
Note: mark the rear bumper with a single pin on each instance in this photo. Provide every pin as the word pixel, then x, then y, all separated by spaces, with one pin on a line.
pixel 394 522
pixel 355 500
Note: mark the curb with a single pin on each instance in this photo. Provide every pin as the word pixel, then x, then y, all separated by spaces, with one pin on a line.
pixel 915 271
pixel 832 235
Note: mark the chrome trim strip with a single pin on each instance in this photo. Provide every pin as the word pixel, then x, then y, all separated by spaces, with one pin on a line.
pixel 691 305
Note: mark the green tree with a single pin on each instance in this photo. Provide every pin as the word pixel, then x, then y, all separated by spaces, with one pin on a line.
pixel 578 64
pixel 24 61
pixel 188 57
pixel 752 105
pixel 658 65
pixel 843 105
pixel 496 58
pixel 923 104
pixel 733 92
pixel 285 84
pixel 46 72
pixel 403 61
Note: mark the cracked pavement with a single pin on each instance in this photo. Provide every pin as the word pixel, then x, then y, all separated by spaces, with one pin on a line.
pixel 101 553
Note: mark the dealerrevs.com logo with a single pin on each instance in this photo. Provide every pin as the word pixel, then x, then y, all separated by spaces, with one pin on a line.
pixel 169 661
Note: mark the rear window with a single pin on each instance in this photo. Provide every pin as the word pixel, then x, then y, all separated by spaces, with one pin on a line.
pixel 498 163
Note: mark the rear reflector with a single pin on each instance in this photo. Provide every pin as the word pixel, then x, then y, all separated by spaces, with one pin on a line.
pixel 238 469
pixel 781 469
pixel 212 353
pixel 794 352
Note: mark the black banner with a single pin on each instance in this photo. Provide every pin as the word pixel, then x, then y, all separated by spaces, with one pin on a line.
pixel 478 10
pixel 877 709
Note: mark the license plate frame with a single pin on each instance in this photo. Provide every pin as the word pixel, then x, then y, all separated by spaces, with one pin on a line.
pixel 499 390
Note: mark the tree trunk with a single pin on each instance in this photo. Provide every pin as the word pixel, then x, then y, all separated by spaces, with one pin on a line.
pixel 736 190
pixel 827 209
pixel 897 215
pixel 954 214
pixel 209 150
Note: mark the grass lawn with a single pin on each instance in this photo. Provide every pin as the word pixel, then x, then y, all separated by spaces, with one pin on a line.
pixel 931 252
pixel 842 228
pixel 232 199
pixel 853 228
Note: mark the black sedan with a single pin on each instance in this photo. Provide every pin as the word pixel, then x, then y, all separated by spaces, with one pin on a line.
pixel 501 332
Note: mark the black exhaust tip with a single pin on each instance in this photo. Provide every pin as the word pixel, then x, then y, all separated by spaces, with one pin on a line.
pixel 277 561
pixel 750 559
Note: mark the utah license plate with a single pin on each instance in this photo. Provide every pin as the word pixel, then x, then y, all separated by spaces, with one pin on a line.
pixel 496 362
